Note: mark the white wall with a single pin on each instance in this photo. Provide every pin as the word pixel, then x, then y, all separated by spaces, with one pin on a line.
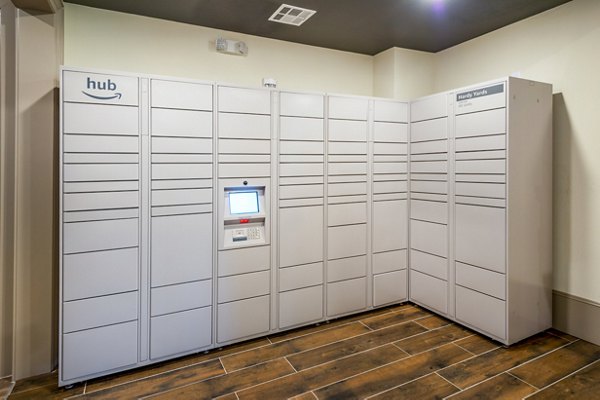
pixel 111 40
pixel 562 47
pixel 403 74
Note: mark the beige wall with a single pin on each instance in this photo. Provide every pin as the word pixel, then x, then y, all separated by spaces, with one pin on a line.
pixel 403 74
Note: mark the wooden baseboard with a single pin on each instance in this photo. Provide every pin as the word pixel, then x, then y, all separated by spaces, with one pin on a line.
pixel 576 316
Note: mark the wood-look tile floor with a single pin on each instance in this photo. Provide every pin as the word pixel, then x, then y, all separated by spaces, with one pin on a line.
pixel 400 352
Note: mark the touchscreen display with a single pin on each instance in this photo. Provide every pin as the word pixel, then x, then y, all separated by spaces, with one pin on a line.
pixel 243 202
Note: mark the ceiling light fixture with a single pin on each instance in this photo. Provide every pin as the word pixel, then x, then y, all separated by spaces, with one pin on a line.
pixel 291 15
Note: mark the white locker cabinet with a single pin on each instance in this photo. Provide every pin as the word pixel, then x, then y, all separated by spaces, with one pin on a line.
pixel 170 122
pixel 244 260
pixel 346 296
pixel 182 297
pixel 300 235
pixel 389 288
pixel 300 306
pixel 181 95
pixel 242 319
pixel 346 268
pixel 180 333
pixel 301 276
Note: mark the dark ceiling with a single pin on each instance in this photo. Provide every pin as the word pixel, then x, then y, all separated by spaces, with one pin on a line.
pixel 361 26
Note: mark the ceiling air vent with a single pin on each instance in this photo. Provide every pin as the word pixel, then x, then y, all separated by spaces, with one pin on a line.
pixel 291 15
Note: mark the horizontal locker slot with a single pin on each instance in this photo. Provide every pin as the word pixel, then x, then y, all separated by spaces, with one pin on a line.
pixel 390 220
pixel 99 350
pixel 481 236
pixel 100 119
pixel 182 159
pixel 429 291
pixel 390 158
pixel 98 215
pixel 429 264
pixel 481 167
pixel 295 147
pixel 481 155
pixel 436 129
pixel 251 101
pixel 347 148
pixel 300 235
pixel 495 97
pixel 389 187
pixel 100 201
pixel 244 126
pixel 479 201
pixel 491 142
pixel 89 158
pixel 347 157
pixel 346 296
pixel 242 261
pixel 100 172
pixel 346 214
pixel 429 177
pixel 429 157
pixel 429 197
pixel 300 170
pixel 481 280
pixel 390 196
pixel 79 237
pixel 429 147
pixel 99 273
pixel 346 178
pixel 180 249
pixel 292 278
pixel 346 168
pixel 389 168
pixel 480 178
pixel 389 177
pixel 100 144
pixel 291 128
pixel 180 210
pixel 181 197
pixel 92 88
pixel 300 306
pixel 347 131
pixel 244 158
pixel 389 261
pixel 165 122
pixel 181 332
pixel 429 211
pixel 239 146
pixel 430 107
pixel 99 311
pixel 492 122
pixel 348 108
pixel 182 184
pixel 390 132
pixel 244 170
pixel 390 148
pixel 429 187
pixel 346 189
pixel 300 191
pixel 243 318
pixel 303 158
pixel 300 180
pixel 300 202
pixel 244 286
pixel 440 167
pixel 181 171
pixel 187 95
pixel 389 288
pixel 347 199
pixel 346 241
pixel 346 268
pixel 429 237
pixel 494 190
pixel 481 311
pixel 390 111
pixel 301 104
pixel 181 145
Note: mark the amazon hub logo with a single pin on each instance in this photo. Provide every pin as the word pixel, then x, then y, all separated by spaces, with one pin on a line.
pixel 107 90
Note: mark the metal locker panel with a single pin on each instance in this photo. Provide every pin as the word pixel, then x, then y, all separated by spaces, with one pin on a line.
pixel 347 241
pixel 436 129
pixel 429 147
pixel 389 261
pixel 241 261
pixel 491 142
pixel 166 122
pixel 390 187
pixel 480 178
pixel 100 119
pixel 390 168
pixel 175 298
pixel 181 171
pixel 182 184
pixel 429 291
pixel 346 268
pixel 389 288
pixel 390 111
pixel 181 145
pixel 97 215
pixel 300 235
pixel 292 128
pixel 100 201
pixel 100 144
pixel 474 99
pixel 347 131
pixel 480 201
pixel 429 264
pixel 300 191
pixel 431 211
pixel 99 350
pixel 347 148
pixel 346 296
pixel 249 101
pixel 481 311
pixel 481 280
pixel 238 146
pixel 346 214
pixel 347 158
pixel 79 237
pixel 431 107
pixel 492 122
pixel 296 147
pixel 180 197
pixel 429 237
pixel 481 236
pixel 181 158
pixel 100 158
pixel 390 148
pixel 347 168
pixel 390 132
pixel 481 155
pixel 429 157
pixel 300 306
pixel 239 287
pixel 301 105
pixel 347 189
pixel 244 126
pixel 390 177
pixel 429 177
pixel 99 273
pixel 243 318
pixel 245 158
pixel 185 95
pixel 429 197
pixel 428 167
pixel 301 158
pixel 429 187
pixel 493 190
pixel 300 180
pixel 244 170
pixel 346 178
pixel 390 157
pixel 181 248
pixel 347 199
pixel 348 108
pixel 292 278
pixel 390 223
pixel 99 88
pixel 99 311
pixel 300 202
pixel 187 209
pixel 100 172
pixel 181 332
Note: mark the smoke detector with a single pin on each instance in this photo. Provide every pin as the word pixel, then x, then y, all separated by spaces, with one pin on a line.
pixel 291 15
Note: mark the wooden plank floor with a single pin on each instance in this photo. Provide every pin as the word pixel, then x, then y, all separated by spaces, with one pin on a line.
pixel 399 352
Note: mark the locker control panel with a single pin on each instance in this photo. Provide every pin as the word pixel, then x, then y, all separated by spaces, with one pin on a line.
pixel 244 216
